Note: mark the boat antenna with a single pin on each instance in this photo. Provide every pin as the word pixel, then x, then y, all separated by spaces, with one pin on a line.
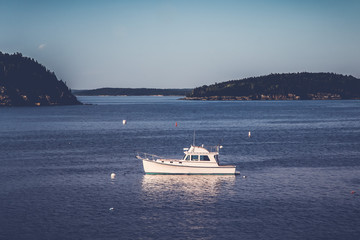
pixel 221 141
pixel 219 146
pixel 194 139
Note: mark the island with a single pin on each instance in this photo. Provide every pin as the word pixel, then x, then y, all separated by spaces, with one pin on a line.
pixel 287 86
pixel 25 82
pixel 133 92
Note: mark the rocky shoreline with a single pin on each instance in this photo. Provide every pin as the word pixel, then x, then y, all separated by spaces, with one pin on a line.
pixel 317 96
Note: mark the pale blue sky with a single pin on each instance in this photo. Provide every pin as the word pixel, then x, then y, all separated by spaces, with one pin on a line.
pixel 182 44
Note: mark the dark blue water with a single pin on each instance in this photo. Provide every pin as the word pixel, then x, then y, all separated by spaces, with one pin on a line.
pixel 301 163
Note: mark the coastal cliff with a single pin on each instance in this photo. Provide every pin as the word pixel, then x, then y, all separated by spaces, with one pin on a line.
pixel 25 82
pixel 290 86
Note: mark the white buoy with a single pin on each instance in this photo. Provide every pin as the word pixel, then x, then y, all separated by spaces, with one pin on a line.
pixel 244 176
pixel 124 122
pixel 249 134
pixel 113 175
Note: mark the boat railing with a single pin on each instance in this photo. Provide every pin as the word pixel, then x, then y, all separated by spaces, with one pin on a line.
pixel 212 148
pixel 148 156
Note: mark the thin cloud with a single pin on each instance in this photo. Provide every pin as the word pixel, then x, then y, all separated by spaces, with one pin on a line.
pixel 42 46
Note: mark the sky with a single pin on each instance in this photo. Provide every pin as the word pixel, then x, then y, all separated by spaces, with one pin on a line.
pixel 181 44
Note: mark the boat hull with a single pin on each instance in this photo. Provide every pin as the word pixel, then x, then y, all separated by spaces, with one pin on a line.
pixel 153 167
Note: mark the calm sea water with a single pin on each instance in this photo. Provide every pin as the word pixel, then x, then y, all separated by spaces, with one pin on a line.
pixel 302 163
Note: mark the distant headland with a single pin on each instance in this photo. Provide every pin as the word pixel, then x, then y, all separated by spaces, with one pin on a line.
pixel 287 86
pixel 133 92
pixel 25 82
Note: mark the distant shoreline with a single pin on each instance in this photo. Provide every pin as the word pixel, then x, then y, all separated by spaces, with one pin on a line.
pixel 133 92
pixel 129 95
pixel 285 86
pixel 268 98
pixel 221 98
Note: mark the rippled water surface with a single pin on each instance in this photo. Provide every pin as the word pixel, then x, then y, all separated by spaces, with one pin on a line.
pixel 302 168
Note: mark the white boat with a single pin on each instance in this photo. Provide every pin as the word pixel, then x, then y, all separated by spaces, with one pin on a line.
pixel 196 161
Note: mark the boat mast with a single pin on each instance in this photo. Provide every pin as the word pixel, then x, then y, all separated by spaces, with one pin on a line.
pixel 194 139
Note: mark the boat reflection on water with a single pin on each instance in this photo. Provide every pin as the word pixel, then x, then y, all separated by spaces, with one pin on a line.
pixel 189 186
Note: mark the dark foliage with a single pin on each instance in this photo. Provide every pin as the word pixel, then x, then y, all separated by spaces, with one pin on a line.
pixel 132 92
pixel 284 86
pixel 25 82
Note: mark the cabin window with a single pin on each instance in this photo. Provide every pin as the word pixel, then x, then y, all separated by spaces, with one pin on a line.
pixel 187 157
pixel 194 157
pixel 204 158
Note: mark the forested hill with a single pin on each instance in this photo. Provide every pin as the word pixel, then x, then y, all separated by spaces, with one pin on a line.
pixel 132 92
pixel 25 82
pixel 289 86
